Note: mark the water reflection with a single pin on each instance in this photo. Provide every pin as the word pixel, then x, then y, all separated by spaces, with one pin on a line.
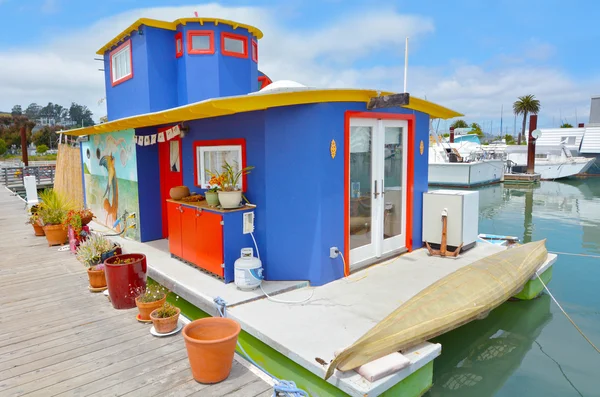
pixel 481 366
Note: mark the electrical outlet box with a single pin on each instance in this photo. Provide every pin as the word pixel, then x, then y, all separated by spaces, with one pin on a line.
pixel 333 252
pixel 248 222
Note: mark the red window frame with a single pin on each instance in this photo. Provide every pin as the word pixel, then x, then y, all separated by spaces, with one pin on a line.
pixel 263 82
pixel 178 40
pixel 211 39
pixel 221 142
pixel 110 57
pixel 234 36
pixel 254 51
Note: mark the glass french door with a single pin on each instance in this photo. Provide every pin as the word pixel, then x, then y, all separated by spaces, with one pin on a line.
pixel 377 189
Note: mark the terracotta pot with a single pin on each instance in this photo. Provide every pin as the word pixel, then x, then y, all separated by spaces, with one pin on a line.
pixel 56 234
pixel 166 324
pixel 123 278
pixel 179 192
pixel 212 198
pixel 97 278
pixel 230 199
pixel 37 229
pixel 210 344
pixel 146 308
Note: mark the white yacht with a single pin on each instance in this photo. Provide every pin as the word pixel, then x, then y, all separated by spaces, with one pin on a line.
pixel 463 163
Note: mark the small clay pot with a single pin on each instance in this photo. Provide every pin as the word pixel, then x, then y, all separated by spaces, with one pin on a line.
pixel 37 229
pixel 97 278
pixel 56 234
pixel 179 192
pixel 147 308
pixel 164 325
pixel 210 344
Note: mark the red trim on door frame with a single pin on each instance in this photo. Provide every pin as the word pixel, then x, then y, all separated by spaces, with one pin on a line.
pixel 410 158
pixel 254 51
pixel 179 40
pixel 110 57
pixel 221 142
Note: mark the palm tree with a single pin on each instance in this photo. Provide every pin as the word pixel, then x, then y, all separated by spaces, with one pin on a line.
pixel 525 105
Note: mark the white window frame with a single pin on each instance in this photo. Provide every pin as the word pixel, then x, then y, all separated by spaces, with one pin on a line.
pixel 123 50
pixel 201 150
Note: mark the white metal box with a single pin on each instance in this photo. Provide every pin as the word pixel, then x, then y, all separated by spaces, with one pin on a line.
pixel 463 217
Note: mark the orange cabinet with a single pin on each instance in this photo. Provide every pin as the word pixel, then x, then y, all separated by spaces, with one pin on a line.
pixel 196 236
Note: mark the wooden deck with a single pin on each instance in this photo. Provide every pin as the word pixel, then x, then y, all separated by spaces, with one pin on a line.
pixel 57 338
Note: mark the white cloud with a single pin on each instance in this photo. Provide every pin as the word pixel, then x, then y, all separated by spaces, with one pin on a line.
pixel 332 55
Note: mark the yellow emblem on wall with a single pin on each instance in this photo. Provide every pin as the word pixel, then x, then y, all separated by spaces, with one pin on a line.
pixel 333 148
pixel 421 147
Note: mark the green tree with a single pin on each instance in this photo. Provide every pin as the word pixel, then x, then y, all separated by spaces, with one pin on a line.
pixel 16 110
pixel 41 149
pixel 566 125
pixel 10 129
pixel 81 115
pixel 45 136
pixel 510 140
pixel 524 105
pixel 476 130
pixel 459 124
pixel 33 111
pixel 3 147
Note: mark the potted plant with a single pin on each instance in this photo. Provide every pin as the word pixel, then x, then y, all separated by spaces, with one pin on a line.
pixel 165 318
pixel 215 183
pixel 53 210
pixel 125 276
pixel 148 299
pixel 92 252
pixel 230 196
pixel 35 220
pixel 77 219
pixel 210 343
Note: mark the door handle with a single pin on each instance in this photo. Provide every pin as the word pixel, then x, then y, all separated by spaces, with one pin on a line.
pixel 376 193
pixel 180 209
pixel 382 188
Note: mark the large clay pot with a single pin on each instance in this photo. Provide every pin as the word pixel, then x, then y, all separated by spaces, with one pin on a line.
pixel 123 279
pixel 212 198
pixel 163 325
pixel 179 192
pixel 97 278
pixel 146 308
pixel 56 234
pixel 230 199
pixel 210 344
pixel 37 229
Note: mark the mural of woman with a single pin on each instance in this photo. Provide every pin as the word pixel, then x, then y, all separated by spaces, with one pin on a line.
pixel 111 206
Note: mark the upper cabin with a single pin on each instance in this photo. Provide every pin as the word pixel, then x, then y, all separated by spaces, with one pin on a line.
pixel 156 65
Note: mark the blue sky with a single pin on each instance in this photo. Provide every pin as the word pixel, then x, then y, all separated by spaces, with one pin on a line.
pixel 473 56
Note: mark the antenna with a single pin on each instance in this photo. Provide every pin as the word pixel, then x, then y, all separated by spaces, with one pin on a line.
pixel 405 63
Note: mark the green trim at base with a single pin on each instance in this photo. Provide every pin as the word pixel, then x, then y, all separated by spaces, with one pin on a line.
pixel 284 368
pixel 534 288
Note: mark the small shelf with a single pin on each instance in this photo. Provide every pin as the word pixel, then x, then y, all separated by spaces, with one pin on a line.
pixel 204 206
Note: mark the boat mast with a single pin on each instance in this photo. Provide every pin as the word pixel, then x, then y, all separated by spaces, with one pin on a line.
pixel 405 63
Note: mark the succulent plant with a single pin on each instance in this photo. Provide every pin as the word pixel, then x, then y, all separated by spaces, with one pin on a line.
pixel 91 249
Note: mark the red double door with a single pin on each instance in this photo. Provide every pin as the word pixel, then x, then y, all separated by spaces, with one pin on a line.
pixel 171 175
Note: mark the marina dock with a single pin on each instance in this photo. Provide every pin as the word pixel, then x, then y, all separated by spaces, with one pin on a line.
pixel 57 338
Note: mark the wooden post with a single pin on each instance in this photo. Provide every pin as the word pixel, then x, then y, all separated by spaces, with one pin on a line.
pixel 531 145
pixel 451 134
pixel 24 146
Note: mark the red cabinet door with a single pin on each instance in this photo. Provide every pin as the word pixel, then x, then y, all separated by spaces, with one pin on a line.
pixel 174 216
pixel 188 233
pixel 209 242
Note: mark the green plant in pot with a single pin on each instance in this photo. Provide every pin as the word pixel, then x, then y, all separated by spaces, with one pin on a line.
pixel 230 196
pixel 148 299
pixel 92 252
pixel 35 220
pixel 165 318
pixel 53 210
pixel 77 219
pixel 212 193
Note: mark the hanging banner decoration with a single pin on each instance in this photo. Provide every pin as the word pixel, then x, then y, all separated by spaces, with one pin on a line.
pixel 140 140
pixel 176 131
pixel 147 140
pixel 161 136
pixel 169 134
pixel 153 139
pixel 135 138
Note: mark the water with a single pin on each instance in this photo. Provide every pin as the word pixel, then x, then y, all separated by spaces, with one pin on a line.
pixel 530 348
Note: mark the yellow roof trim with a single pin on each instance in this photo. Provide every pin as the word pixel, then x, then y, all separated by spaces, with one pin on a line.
pixel 253 102
pixel 155 23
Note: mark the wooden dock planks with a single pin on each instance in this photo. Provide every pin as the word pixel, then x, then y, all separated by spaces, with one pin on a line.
pixel 56 338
